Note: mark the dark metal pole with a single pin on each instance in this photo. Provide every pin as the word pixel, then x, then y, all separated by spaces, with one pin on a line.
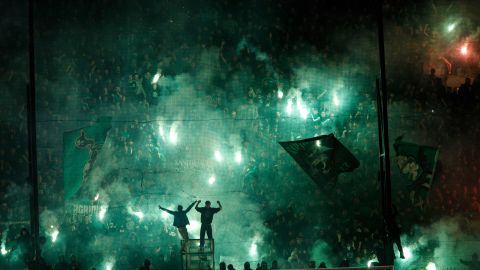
pixel 32 138
pixel 387 191
pixel 381 155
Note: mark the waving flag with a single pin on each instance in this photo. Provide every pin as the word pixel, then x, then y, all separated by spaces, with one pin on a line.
pixel 323 158
pixel 81 148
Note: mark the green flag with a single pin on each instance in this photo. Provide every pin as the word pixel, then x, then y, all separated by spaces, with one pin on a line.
pixel 323 158
pixel 418 162
pixel 81 148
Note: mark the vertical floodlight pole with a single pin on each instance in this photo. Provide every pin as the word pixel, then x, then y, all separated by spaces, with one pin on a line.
pixel 382 100
pixel 32 140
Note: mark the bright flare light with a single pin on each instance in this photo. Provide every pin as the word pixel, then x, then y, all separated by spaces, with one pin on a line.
pixel 280 94
pixel 102 212
pixel 238 156
pixel 156 78
pixel 407 253
pixel 139 214
pixel 317 143
pixel 369 263
pixel 464 49
pixel 336 101
pixel 289 107
pixel 54 235
pixel 218 156
pixel 431 266
pixel 451 27
pixel 97 196
pixel 164 214
pixel 173 136
pixel 162 132
pixel 253 250
pixel 109 265
pixel 211 180
pixel 303 111
pixel 3 250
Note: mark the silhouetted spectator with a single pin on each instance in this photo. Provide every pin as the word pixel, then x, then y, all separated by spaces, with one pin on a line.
pixel 180 220
pixel 206 218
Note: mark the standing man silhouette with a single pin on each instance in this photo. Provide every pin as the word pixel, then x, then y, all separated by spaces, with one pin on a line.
pixel 206 218
pixel 180 220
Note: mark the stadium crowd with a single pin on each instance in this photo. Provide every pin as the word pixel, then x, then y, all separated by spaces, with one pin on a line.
pixel 99 78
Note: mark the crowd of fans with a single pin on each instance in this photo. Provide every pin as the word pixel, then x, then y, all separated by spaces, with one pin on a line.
pixel 98 74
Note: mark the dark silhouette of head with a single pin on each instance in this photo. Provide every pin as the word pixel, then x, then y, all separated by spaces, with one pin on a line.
pixel 23 232
pixel 180 208
pixel 208 204
pixel 246 266
pixel 222 264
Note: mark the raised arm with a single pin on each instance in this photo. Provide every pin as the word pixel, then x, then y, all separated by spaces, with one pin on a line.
pixel 196 206
pixel 190 206
pixel 166 210
pixel 219 205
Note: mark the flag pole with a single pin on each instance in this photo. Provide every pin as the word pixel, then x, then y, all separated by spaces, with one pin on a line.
pixel 32 140
pixel 383 130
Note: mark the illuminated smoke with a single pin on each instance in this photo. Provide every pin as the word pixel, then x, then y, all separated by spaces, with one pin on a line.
pixel 218 156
